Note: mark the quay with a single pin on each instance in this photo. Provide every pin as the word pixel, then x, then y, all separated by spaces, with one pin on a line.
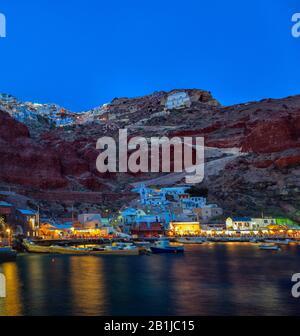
pixel 174 213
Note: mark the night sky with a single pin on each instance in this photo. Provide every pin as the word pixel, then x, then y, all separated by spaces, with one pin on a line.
pixel 81 54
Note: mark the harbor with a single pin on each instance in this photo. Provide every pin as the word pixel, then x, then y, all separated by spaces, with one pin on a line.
pixel 159 221
pixel 207 279
pixel 168 251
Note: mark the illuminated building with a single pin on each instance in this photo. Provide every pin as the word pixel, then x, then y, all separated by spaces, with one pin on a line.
pixel 147 230
pixel 185 228
pixel 252 224
pixel 28 220
pixel 176 204
pixel 178 100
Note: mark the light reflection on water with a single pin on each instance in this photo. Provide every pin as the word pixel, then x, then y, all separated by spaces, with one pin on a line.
pixel 214 279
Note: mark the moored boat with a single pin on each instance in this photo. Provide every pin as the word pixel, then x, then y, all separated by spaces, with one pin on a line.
pixel 191 240
pixel 7 254
pixel 68 250
pixel 111 250
pixel 269 247
pixel 164 246
pixel 34 248
pixel 115 249
pixel 278 241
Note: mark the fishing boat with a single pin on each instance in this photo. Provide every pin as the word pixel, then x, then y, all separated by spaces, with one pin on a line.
pixel 164 246
pixel 7 254
pixel 142 244
pixel 68 250
pixel 191 240
pixel 115 249
pixel 34 248
pixel 269 247
pixel 279 241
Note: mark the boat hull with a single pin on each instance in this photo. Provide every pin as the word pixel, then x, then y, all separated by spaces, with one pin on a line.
pixel 173 250
pixel 278 242
pixel 269 247
pixel 190 241
pixel 7 254
pixel 33 248
pixel 116 252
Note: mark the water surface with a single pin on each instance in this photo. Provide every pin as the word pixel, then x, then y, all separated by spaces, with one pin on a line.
pixel 209 279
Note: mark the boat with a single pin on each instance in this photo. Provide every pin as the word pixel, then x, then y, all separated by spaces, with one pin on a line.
pixel 106 250
pixel 269 247
pixel 68 250
pixel 191 240
pixel 34 248
pixel 7 254
pixel 278 241
pixel 115 249
pixel 142 244
pixel 164 246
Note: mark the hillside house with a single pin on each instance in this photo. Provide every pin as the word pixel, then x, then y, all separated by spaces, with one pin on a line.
pixel 178 100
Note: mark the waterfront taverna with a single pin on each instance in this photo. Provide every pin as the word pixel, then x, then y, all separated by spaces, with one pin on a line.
pixel 185 228
pixel 270 226
pixel 254 224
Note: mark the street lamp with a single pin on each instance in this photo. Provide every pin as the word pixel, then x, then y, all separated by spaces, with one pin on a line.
pixel 8 231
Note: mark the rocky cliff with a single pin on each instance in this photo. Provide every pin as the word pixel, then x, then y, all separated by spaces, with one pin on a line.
pixel 253 151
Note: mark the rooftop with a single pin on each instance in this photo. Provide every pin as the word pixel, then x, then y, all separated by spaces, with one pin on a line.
pixel 5 204
pixel 27 212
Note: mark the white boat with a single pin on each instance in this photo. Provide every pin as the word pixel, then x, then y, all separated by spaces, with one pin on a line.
pixel 269 247
pixel 191 240
pixel 278 241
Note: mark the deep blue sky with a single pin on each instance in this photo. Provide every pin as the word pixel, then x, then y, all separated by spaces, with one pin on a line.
pixel 81 54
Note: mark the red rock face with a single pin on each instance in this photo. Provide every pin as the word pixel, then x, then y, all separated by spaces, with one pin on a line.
pixel 272 136
pixel 265 129
pixel 263 164
pixel 289 161
pixel 71 163
pixel 92 183
pixel 23 161
pixel 10 129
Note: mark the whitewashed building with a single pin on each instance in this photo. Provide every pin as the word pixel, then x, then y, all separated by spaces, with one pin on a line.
pixel 248 223
pixel 90 221
pixel 178 100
